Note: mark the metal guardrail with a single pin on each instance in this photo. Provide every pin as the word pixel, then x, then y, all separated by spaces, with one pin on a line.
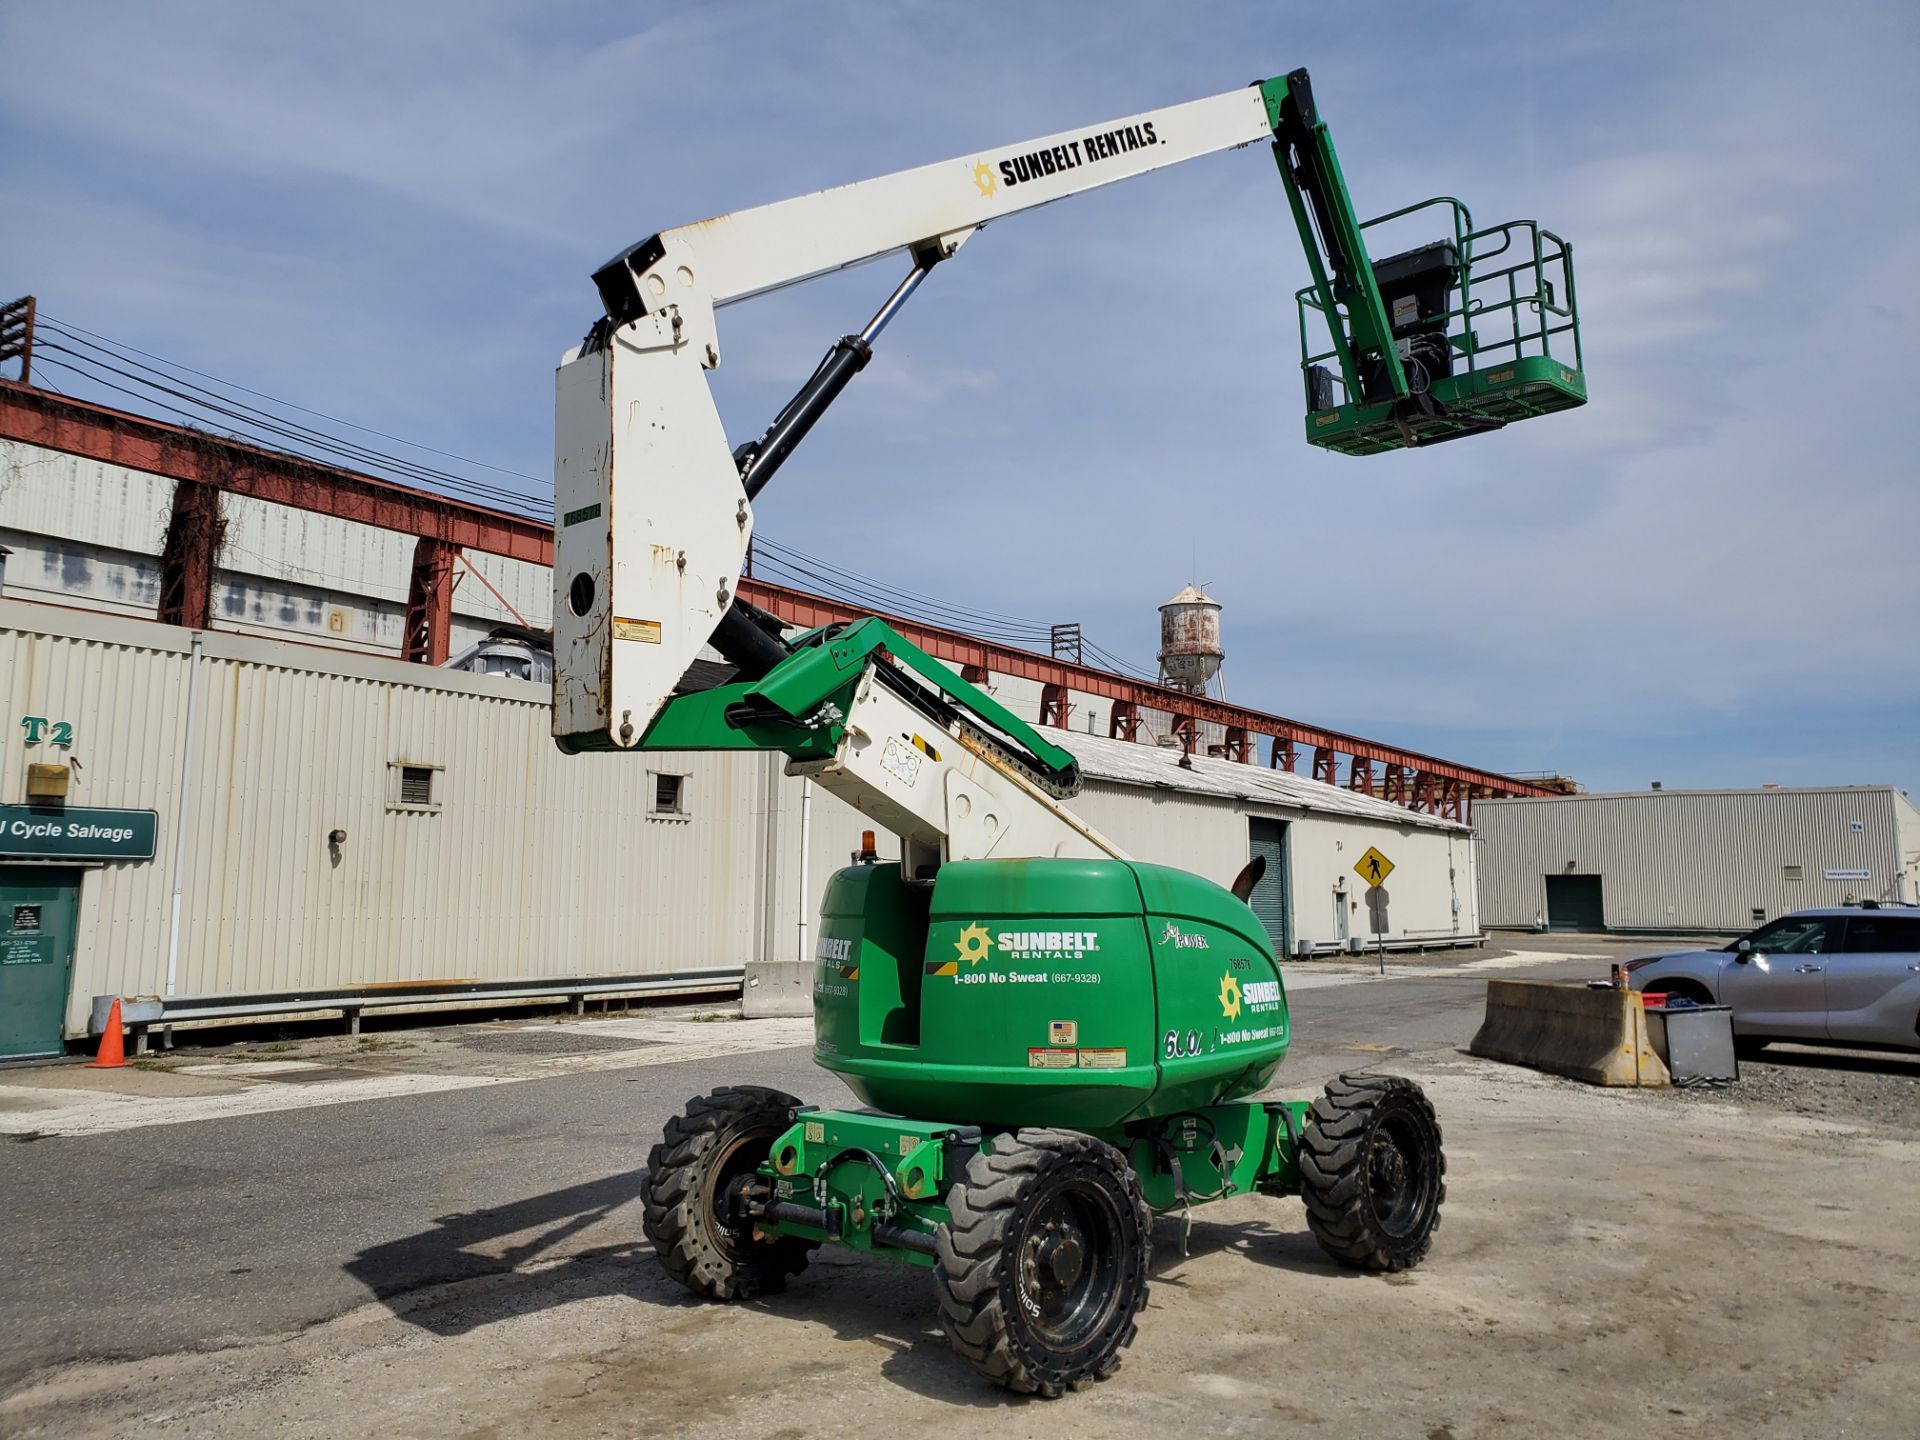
pixel 141 1013
pixel 1342 949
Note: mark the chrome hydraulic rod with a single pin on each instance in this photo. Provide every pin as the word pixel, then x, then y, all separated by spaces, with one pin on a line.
pixel 759 459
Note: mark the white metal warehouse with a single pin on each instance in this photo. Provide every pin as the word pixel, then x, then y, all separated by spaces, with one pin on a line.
pixel 1683 860
pixel 335 822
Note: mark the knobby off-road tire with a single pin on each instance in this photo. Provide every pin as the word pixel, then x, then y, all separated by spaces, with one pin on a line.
pixel 1372 1172
pixel 720 1137
pixel 1043 1267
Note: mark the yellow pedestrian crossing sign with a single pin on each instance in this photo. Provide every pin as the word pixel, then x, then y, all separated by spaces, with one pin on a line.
pixel 1373 867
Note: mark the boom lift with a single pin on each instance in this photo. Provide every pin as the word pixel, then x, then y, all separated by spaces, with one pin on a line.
pixel 1057 1042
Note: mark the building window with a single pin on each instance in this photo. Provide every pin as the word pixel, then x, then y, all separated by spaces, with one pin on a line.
pixel 1791 872
pixel 413 785
pixel 669 796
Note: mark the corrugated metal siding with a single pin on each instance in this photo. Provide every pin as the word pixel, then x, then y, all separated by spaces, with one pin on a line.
pixel 535 863
pixel 115 519
pixel 127 704
pixel 1906 826
pixel 1688 859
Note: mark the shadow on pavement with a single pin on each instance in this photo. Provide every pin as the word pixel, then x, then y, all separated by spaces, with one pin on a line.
pixel 500 1241
pixel 1279 1246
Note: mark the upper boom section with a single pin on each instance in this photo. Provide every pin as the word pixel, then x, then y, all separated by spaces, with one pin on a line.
pixel 654 508
pixel 929 210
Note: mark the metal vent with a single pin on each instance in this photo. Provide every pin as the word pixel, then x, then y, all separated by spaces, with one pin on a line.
pixel 416 785
pixel 1791 872
pixel 669 791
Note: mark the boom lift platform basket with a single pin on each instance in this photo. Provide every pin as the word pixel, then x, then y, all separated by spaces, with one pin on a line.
pixel 1485 331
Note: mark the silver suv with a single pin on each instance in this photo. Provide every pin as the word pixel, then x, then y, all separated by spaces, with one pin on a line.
pixel 1848 976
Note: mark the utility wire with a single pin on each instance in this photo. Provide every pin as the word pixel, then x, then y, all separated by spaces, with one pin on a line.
pixel 42 318
pixel 125 370
pixel 249 422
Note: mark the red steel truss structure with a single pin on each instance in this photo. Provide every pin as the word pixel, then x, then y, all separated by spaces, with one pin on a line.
pixel 202 465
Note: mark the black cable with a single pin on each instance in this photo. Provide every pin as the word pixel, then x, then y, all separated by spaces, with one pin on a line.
pixel 1019 621
pixel 41 317
pixel 94 361
pixel 88 367
pixel 299 434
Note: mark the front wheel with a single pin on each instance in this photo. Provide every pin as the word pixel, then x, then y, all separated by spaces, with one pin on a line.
pixel 688 1199
pixel 1043 1265
pixel 1372 1172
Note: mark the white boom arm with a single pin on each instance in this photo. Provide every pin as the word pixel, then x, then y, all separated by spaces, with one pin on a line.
pixel 652 515
pixel 945 795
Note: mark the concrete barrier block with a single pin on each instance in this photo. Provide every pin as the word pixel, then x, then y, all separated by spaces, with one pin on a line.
pixel 1599 1036
pixel 777 987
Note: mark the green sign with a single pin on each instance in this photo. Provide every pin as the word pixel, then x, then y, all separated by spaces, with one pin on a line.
pixel 67 832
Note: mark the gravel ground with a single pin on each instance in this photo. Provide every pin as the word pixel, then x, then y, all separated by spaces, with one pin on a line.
pixel 1860 1087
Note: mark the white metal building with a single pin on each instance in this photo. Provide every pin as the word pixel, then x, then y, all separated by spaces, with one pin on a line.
pixel 328 821
pixel 87 533
pixel 1680 860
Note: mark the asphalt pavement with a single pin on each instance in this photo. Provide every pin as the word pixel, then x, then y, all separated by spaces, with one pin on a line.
pixel 145 1241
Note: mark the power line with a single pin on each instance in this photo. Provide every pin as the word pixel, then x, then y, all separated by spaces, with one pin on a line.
pixel 101 361
pixel 43 318
pixel 249 422
pixel 255 419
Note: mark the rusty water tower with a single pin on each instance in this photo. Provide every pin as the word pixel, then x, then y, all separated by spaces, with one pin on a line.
pixel 1190 652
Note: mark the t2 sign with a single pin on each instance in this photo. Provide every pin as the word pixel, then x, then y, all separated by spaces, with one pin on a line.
pixel 55 732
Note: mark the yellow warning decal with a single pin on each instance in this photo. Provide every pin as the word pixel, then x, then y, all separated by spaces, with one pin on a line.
pixel 1103 1059
pixel 645 631
pixel 1039 1059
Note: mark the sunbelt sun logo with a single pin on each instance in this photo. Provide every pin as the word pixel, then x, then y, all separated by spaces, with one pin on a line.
pixel 976 944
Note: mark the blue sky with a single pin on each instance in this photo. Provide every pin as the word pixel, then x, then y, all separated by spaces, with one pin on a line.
pixel 389 212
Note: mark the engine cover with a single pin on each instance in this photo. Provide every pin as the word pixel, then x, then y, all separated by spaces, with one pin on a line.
pixel 1075 993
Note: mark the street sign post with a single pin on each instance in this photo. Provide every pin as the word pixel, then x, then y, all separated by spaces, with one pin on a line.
pixel 1377 912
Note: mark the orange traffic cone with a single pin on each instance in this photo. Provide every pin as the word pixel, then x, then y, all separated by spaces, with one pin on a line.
pixel 113 1049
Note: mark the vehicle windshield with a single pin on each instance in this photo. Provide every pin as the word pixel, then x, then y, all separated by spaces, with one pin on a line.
pixel 1790 935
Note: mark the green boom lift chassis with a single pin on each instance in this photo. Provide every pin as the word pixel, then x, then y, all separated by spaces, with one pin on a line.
pixel 1054 1051
pixel 1055 1043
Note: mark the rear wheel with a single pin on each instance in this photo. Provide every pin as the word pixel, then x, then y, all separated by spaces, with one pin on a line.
pixel 722 1138
pixel 1043 1266
pixel 1372 1172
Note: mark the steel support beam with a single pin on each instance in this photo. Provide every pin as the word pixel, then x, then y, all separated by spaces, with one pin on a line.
pixel 1360 777
pixel 429 621
pixel 1056 706
pixel 188 553
pixel 798 607
pixel 55 422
